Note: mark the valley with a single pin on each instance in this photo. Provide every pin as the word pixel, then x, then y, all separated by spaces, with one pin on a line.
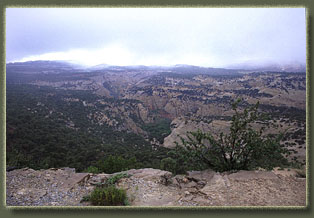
pixel 61 115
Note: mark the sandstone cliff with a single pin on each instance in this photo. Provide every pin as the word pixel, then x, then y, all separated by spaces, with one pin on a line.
pixel 180 126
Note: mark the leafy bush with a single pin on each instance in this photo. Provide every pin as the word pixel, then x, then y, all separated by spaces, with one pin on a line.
pixel 113 179
pixel 182 160
pixel 108 196
pixel 92 169
pixel 85 198
pixel 244 148
pixel 168 164
pixel 114 164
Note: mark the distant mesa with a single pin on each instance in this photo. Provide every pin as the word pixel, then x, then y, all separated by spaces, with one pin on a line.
pixel 182 68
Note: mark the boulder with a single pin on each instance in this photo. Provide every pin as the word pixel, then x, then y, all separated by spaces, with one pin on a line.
pixel 77 178
pixel 161 176
pixel 215 184
pixel 205 175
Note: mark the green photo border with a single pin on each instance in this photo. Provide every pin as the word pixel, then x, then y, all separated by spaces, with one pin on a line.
pixel 153 211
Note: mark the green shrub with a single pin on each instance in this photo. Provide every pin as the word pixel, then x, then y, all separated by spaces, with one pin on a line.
pixel 168 164
pixel 108 196
pixel 85 198
pixel 182 160
pixel 244 148
pixel 92 169
pixel 113 179
pixel 113 164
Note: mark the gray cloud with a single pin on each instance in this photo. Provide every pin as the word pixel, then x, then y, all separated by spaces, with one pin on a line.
pixel 208 37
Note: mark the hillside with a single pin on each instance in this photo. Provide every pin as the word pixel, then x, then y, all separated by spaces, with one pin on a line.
pixel 61 115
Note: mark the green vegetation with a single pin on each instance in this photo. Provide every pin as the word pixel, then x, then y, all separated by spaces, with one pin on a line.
pixel 182 159
pixel 158 130
pixel 244 148
pixel 108 196
pixel 291 113
pixel 51 127
pixel 45 130
pixel 85 198
pixel 92 169
pixel 113 164
pixel 113 179
pixel 169 164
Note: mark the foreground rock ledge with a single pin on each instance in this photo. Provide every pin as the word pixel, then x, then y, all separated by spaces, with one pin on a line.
pixel 153 187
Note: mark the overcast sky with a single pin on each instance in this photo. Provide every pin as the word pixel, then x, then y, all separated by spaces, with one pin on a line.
pixel 156 36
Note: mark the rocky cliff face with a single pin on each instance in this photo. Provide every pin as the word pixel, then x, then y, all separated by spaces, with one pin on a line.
pixel 180 126
pixel 153 187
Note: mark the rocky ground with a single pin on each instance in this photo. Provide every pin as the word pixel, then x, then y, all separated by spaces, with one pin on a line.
pixel 152 187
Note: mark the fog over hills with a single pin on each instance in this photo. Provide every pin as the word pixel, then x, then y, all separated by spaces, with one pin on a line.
pixel 270 66
pixel 180 68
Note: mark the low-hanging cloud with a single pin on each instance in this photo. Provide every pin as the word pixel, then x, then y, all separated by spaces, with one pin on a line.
pixel 156 36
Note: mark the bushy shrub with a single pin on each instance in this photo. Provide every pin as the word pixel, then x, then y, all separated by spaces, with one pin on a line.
pixel 108 196
pixel 244 148
pixel 168 164
pixel 92 169
pixel 181 160
pixel 113 179
pixel 113 164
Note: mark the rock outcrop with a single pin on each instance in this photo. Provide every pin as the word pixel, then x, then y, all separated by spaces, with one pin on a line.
pixel 153 187
pixel 53 187
pixel 181 125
